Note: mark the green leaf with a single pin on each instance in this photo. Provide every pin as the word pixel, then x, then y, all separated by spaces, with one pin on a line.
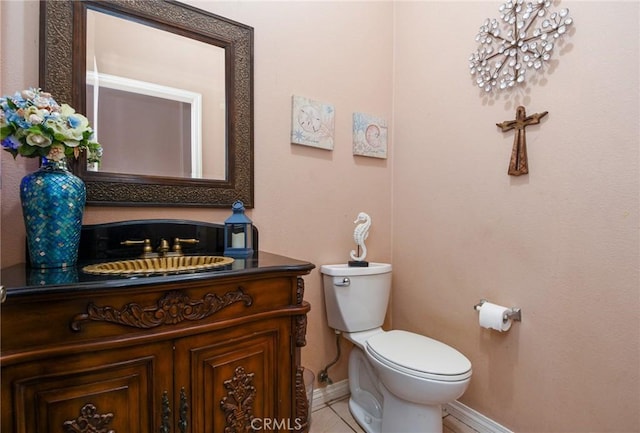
pixel 5 131
pixel 28 151
pixel 35 129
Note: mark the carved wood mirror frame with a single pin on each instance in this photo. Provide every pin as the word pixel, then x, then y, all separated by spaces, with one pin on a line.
pixel 63 73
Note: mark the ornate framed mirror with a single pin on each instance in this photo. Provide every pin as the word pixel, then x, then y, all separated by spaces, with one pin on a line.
pixel 183 54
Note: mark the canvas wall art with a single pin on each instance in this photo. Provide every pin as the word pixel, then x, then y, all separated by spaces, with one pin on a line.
pixel 369 136
pixel 312 123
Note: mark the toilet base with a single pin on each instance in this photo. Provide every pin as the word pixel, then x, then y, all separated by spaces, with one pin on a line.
pixel 365 402
pixel 401 416
pixel 368 422
pixel 377 410
pixel 404 418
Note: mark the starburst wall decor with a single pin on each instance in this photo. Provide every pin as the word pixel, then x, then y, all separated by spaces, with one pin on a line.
pixel 523 38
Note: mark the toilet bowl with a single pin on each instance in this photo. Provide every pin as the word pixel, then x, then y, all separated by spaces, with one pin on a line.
pixel 398 380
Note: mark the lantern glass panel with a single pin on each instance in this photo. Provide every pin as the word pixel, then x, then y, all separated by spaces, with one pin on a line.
pixel 239 236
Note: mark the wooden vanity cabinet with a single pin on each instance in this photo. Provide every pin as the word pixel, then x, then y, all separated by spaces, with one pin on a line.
pixel 201 355
pixel 119 389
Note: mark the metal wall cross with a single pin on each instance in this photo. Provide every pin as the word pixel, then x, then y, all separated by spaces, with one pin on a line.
pixel 519 164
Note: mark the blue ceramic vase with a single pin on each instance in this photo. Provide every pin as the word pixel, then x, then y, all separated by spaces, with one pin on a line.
pixel 52 206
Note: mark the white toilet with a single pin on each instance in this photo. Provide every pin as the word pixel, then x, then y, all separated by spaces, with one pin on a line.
pixel 398 380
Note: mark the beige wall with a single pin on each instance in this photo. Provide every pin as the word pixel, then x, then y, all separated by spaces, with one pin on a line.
pixel 562 243
pixel 19 68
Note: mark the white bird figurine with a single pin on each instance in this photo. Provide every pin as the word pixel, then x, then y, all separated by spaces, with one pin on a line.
pixel 360 234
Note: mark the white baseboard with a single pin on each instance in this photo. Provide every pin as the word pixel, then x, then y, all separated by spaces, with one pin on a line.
pixel 474 419
pixel 327 394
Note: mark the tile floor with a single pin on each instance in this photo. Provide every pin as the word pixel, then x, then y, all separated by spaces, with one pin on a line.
pixel 336 418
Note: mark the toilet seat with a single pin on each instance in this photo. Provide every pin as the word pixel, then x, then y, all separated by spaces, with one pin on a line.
pixel 419 356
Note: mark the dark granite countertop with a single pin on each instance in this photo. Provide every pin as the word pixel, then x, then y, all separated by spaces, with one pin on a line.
pixel 20 280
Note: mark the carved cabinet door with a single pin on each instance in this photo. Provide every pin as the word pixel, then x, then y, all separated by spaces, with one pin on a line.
pixel 237 380
pixel 110 391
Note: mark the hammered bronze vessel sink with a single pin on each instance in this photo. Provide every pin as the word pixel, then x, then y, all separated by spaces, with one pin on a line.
pixel 158 265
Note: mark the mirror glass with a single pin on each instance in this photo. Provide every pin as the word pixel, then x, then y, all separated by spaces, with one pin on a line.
pixel 169 90
pixel 158 105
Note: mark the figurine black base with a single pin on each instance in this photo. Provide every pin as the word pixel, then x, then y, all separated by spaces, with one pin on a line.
pixel 358 264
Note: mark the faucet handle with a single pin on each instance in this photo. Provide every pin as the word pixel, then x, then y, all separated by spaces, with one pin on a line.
pixel 177 247
pixel 146 245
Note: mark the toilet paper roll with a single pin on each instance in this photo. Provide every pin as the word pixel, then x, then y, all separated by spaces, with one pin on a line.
pixel 491 317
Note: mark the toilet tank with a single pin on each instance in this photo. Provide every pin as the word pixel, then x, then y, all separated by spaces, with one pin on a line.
pixel 356 298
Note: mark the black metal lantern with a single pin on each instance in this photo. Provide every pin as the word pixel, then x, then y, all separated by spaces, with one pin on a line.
pixel 238 233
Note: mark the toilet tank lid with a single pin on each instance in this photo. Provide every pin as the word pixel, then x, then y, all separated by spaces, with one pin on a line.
pixel 344 270
pixel 419 353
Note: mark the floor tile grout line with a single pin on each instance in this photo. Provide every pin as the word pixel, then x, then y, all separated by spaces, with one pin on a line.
pixel 344 420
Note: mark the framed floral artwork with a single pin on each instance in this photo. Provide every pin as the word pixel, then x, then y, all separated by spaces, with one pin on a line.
pixel 312 123
pixel 369 136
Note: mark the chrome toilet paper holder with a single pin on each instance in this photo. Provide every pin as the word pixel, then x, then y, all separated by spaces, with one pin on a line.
pixel 514 313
